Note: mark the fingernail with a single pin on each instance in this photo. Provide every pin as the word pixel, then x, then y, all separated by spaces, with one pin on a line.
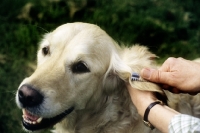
pixel 146 73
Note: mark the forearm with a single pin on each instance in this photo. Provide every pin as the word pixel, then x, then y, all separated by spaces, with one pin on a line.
pixel 159 115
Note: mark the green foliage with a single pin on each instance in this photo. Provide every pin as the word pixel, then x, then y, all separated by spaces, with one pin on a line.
pixel 168 28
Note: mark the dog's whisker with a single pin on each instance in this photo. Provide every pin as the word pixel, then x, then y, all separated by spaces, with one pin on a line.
pixel 12 99
pixel 80 68
pixel 7 91
pixel 46 31
pixel 12 92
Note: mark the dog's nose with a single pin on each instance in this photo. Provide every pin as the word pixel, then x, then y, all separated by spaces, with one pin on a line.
pixel 29 96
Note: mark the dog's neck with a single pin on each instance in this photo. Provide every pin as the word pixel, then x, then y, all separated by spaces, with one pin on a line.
pixel 104 112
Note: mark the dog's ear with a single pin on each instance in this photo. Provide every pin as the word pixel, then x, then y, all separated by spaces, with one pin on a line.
pixel 122 66
pixel 117 74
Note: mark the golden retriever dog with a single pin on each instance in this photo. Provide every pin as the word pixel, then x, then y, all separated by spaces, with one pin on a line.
pixel 79 85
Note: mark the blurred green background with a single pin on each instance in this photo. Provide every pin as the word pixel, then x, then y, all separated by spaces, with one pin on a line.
pixel 167 27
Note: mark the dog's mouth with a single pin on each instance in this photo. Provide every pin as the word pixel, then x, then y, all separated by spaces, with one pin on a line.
pixel 34 122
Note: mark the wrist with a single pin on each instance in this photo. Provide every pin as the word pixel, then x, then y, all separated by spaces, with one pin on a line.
pixel 147 111
pixel 142 106
pixel 141 99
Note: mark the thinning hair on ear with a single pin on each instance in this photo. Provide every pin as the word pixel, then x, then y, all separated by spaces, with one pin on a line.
pixel 130 60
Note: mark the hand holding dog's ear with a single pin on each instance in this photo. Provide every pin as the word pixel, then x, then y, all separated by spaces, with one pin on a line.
pixel 138 97
pixel 177 74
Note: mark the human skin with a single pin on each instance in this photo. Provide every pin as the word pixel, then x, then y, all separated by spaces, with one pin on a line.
pixel 142 99
pixel 177 75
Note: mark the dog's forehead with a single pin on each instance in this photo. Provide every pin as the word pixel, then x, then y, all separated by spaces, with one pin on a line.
pixel 80 40
pixel 67 32
pixel 77 34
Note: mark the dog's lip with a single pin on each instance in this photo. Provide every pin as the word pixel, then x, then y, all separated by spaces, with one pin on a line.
pixel 41 123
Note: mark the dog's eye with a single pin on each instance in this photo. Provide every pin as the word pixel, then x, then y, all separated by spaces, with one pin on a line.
pixel 45 50
pixel 80 67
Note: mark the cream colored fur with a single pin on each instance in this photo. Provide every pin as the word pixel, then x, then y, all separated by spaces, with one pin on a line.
pixel 101 101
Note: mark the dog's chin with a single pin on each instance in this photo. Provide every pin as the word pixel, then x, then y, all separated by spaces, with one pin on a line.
pixel 33 122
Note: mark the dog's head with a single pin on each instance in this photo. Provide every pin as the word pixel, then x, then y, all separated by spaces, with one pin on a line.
pixel 75 62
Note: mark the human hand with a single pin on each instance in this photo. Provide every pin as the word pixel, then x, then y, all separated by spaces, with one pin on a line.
pixel 177 75
pixel 141 99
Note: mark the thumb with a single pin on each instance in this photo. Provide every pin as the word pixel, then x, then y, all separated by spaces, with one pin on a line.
pixel 154 75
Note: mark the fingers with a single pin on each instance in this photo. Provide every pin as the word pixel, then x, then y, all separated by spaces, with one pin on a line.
pixel 163 74
pixel 176 91
pixel 166 66
pixel 173 90
pixel 173 75
pixel 155 75
pixel 164 78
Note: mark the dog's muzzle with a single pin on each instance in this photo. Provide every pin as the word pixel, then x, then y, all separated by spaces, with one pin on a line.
pixel 30 99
